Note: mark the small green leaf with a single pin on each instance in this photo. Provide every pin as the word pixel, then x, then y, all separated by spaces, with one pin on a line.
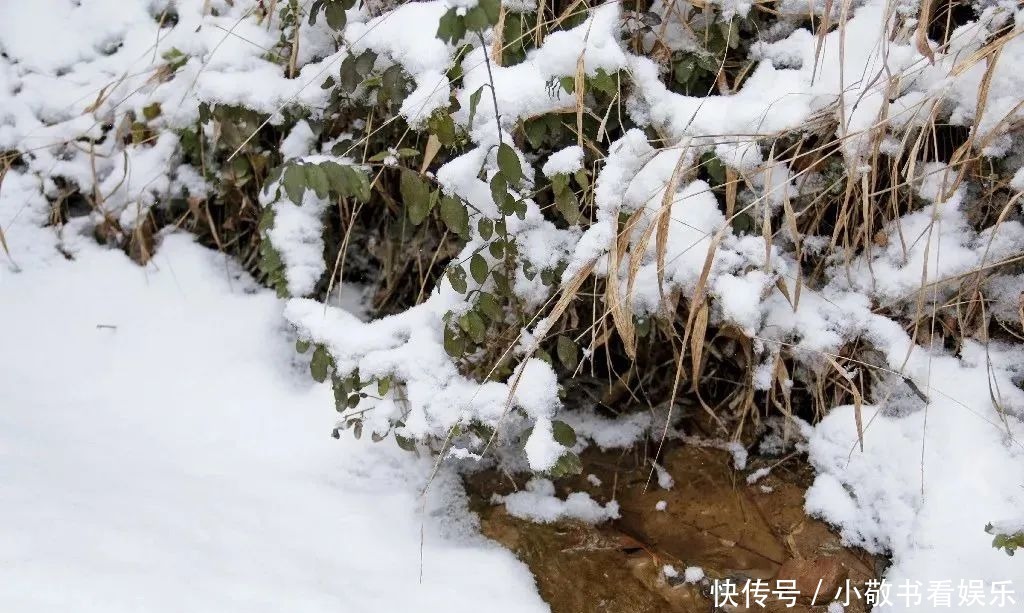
pixel 715 168
pixel 455 215
pixel 316 179
pixel 535 132
pixel 497 248
pixel 415 195
pixel 568 353
pixel 501 283
pixel 358 184
pixel 457 277
pixel 559 183
pixel 569 206
pixel 151 112
pixel 364 63
pixel 443 126
pixel 563 433
pixel 451 27
pixel 567 465
pixel 683 70
pixel 478 268
pixel 489 306
pixel 302 346
pixel 383 385
pixel 335 14
pixel 476 19
pixel 454 343
pixel 492 8
pixel 486 228
pixel 473 325
pixel 348 77
pixel 406 444
pixel 319 364
pixel 474 102
pixel 508 163
pixel 294 183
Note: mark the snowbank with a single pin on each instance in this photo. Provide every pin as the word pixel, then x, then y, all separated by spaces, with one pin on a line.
pixel 161 453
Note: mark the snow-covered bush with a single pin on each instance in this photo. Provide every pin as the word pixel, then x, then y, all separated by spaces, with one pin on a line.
pixel 729 205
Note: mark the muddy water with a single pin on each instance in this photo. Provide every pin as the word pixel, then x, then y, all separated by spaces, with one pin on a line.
pixel 712 519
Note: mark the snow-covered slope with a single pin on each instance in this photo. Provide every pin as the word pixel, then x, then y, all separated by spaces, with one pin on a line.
pixel 159 452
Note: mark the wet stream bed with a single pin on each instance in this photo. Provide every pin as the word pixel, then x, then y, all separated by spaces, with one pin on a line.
pixel 711 518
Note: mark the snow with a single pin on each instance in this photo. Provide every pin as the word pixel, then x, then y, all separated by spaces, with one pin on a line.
pixel 757 475
pixel 564 162
pixel 162 451
pixel 297 233
pixel 665 480
pixel 693 574
pixel 538 503
pixel 927 483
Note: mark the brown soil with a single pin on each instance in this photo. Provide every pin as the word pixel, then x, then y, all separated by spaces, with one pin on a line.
pixel 713 519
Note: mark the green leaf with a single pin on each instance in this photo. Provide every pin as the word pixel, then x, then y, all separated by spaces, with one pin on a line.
pixel 294 183
pixel 683 70
pixel 486 228
pixel 357 182
pixel 492 8
pixel 476 19
pixel 316 179
pixel 335 14
pixel 567 465
pixel 501 282
pixel 335 174
pixel 341 392
pixel 497 248
pixel 348 77
pixel 301 346
pixel 559 183
pixel 406 444
pixel 364 63
pixel 568 353
pixel 569 206
pixel 715 168
pixel 455 215
pixel 314 10
pixel 151 112
pixel 457 277
pixel 383 385
pixel 474 102
pixel 473 325
pixel 415 195
pixel 451 27
pixel 478 268
pixel 508 163
pixel 499 192
pixel 563 433
pixel 443 126
pixel 535 132
pixel 454 343
pixel 604 82
pixel 582 178
pixel 489 306
pixel 319 364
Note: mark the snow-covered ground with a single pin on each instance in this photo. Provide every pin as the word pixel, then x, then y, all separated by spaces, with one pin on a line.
pixel 160 451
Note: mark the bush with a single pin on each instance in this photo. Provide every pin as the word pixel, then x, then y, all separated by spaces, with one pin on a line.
pixel 684 209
